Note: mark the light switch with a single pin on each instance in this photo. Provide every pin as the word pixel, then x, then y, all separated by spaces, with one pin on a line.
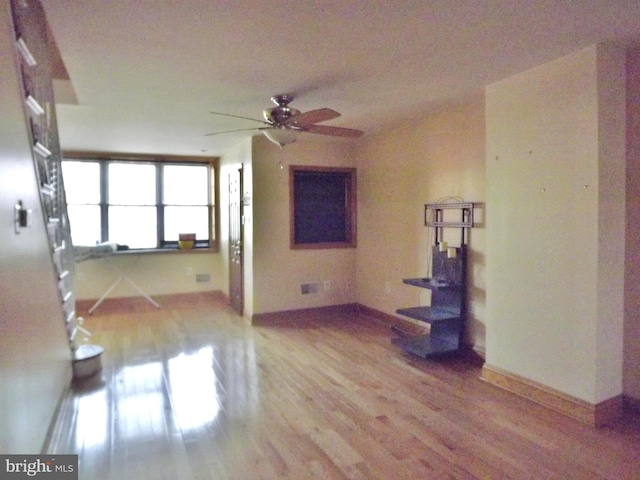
pixel 23 216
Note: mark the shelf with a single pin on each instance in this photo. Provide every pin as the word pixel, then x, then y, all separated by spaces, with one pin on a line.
pixel 429 314
pixel 446 310
pixel 431 283
pixel 444 336
pixel 41 150
pixel 34 106
pixel 47 189
pixel 425 345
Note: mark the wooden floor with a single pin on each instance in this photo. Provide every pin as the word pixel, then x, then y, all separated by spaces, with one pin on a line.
pixel 191 391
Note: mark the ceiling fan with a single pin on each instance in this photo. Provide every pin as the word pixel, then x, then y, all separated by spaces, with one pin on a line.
pixel 283 124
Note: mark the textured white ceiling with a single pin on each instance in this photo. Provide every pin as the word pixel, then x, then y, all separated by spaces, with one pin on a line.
pixel 148 72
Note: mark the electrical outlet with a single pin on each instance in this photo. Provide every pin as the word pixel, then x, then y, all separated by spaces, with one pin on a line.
pixel 327 284
pixel 189 271
pixel 387 287
pixel 308 288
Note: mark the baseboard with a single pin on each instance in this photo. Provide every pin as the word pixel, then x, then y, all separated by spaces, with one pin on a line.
pixel 597 415
pixel 55 432
pixel 139 303
pixel 287 316
pixel 631 405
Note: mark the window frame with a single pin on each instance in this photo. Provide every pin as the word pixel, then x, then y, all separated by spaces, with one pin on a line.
pixel 211 245
pixel 350 217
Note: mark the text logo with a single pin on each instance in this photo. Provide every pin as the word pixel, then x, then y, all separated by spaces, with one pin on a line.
pixel 49 467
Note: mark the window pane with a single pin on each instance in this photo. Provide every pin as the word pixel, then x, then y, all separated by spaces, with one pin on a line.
pixel 186 220
pixel 320 207
pixel 132 184
pixel 85 224
pixel 135 227
pixel 130 201
pixel 323 207
pixel 81 182
pixel 185 185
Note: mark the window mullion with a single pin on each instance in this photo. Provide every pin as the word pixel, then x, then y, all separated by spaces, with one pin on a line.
pixel 160 204
pixel 104 200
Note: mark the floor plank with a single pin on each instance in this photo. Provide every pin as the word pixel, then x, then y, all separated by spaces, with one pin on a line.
pixel 191 391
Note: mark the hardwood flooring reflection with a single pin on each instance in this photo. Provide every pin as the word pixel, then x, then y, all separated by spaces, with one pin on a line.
pixel 191 391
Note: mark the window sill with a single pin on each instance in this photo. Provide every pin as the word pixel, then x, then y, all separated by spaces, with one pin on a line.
pixel 153 251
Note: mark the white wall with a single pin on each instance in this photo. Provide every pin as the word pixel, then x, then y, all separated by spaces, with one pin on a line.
pixel 278 271
pixel 441 155
pixel 555 212
pixel 611 75
pixel 35 357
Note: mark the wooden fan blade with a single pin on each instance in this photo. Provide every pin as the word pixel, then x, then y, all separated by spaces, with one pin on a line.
pixel 335 131
pixel 238 116
pixel 312 116
pixel 231 131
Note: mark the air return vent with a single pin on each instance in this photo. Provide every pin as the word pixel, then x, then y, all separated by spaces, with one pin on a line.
pixel 308 288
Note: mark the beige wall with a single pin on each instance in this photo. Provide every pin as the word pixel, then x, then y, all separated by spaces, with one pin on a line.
pixel 632 253
pixel 239 156
pixel 278 271
pixel 555 220
pixel 439 156
pixel 154 273
pixel 611 73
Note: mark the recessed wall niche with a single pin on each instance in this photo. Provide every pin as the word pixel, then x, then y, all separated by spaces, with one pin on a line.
pixel 322 207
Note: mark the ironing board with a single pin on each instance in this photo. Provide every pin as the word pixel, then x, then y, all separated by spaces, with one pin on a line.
pixel 105 251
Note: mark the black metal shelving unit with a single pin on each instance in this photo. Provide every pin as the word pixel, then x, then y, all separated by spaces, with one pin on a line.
pixel 447 284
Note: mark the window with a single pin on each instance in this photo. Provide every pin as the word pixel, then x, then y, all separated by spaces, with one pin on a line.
pixel 322 207
pixel 140 204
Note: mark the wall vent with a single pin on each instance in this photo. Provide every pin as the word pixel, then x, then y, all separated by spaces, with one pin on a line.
pixel 308 288
pixel 203 277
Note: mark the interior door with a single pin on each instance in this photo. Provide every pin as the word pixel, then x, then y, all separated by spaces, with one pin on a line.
pixel 236 290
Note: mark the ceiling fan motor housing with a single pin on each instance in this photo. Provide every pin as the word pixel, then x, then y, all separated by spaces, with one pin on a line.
pixel 277 116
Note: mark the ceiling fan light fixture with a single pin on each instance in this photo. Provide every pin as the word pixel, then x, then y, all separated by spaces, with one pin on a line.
pixel 281 136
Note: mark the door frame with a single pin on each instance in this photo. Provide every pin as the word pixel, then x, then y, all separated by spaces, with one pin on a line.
pixel 236 240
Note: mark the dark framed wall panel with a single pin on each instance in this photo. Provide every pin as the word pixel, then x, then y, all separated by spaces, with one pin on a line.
pixel 322 207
